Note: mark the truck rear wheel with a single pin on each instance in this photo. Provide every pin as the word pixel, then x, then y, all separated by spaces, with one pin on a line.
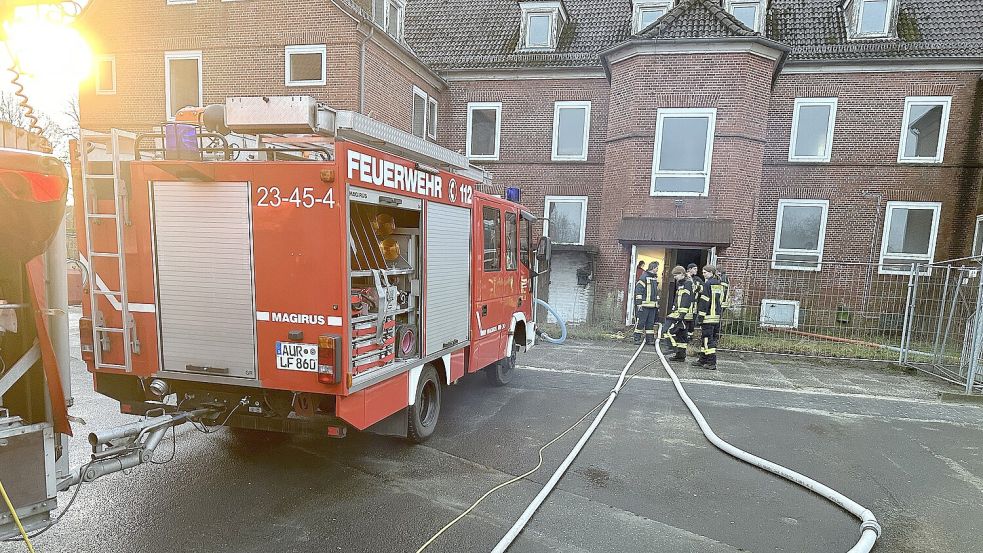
pixel 502 372
pixel 423 414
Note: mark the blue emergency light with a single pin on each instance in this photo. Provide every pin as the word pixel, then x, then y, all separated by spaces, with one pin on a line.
pixel 181 142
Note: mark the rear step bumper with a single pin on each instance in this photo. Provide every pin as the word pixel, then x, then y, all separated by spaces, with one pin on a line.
pixel 320 426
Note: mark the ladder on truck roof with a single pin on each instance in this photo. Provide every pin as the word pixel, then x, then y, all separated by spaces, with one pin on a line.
pixel 102 159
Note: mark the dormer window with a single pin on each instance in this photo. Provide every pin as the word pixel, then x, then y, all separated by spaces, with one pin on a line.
pixel 647 12
pixel 389 15
pixel 541 24
pixel 749 12
pixel 872 18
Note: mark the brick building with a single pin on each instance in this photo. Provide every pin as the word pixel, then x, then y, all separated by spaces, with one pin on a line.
pixel 799 131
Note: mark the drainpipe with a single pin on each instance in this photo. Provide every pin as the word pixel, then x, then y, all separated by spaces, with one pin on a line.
pixel 873 240
pixel 361 69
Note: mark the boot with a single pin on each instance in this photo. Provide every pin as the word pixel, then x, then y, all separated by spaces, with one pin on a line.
pixel 699 361
pixel 680 354
pixel 637 340
pixel 710 366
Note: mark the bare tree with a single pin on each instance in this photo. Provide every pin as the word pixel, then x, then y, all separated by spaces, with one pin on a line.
pixel 12 112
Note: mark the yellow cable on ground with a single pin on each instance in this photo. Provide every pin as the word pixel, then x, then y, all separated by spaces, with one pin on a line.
pixel 27 540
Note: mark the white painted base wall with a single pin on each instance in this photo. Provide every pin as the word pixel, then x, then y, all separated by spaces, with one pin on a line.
pixel 569 299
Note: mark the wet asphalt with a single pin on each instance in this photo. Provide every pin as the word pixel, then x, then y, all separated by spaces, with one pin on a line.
pixel 647 480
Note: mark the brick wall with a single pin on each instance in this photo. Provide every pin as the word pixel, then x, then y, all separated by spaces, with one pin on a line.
pixel 242 45
pixel 527 139
pixel 864 160
pixel 739 87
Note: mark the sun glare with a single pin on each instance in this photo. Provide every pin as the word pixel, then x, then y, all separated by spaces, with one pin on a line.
pixel 49 51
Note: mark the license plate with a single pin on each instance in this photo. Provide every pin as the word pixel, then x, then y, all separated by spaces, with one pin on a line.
pixel 295 356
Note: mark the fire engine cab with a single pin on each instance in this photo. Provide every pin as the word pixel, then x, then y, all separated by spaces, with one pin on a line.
pixel 293 268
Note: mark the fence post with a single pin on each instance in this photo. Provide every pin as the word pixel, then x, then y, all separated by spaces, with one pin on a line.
pixel 909 313
pixel 938 330
pixel 974 363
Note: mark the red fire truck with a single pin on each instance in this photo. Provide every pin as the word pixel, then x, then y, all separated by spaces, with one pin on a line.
pixel 292 268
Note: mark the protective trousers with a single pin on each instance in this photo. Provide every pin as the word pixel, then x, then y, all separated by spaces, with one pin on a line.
pixel 647 317
pixel 678 335
pixel 710 332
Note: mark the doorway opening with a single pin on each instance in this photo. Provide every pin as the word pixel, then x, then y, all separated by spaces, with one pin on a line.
pixel 668 257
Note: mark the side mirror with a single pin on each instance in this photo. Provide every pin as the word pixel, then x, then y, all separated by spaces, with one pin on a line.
pixel 544 256
pixel 545 250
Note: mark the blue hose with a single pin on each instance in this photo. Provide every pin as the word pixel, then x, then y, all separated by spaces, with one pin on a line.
pixel 563 325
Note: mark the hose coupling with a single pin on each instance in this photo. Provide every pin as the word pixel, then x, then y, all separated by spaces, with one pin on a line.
pixel 870 524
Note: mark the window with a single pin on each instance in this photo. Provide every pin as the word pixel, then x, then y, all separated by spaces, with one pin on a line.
pixel 106 75
pixel 683 151
pixel 748 12
pixel 420 105
pixel 800 233
pixel 539 30
pixel 182 81
pixel 492 224
pixel 978 237
pixel 305 65
pixel 647 12
pixel 511 242
pixel 566 218
pixel 779 313
pixel 873 19
pixel 484 127
pixel 432 119
pixel 812 129
pixel 176 2
pixel 541 24
pixel 389 15
pixel 923 131
pixel 525 244
pixel 571 127
pixel 910 229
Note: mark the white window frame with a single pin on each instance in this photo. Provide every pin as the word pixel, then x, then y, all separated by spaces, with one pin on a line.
pixel 557 14
pixel 642 5
pixel 497 106
pixel 100 90
pixel 936 207
pixel 795 317
pixel 665 113
pixel 830 125
pixel 432 106
pixel 557 106
pixel 778 250
pixel 909 102
pixel 759 12
pixel 400 18
pixel 887 20
pixel 181 55
pixel 583 216
pixel 977 237
pixel 321 49
pixel 179 2
pixel 419 93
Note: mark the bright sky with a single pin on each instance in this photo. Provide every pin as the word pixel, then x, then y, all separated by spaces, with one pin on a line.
pixel 54 58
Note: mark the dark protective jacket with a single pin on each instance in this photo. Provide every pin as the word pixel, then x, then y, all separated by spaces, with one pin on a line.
pixel 647 291
pixel 726 284
pixel 710 306
pixel 682 300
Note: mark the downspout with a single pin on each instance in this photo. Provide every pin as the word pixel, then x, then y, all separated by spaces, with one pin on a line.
pixel 873 240
pixel 361 68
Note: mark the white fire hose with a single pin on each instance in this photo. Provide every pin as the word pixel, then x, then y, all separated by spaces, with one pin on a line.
pixel 870 530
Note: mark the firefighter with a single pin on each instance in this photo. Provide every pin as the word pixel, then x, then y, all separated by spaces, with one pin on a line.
pixel 696 281
pixel 677 333
pixel 647 304
pixel 709 310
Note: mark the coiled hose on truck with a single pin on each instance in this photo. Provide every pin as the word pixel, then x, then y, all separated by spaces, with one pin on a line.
pixel 559 319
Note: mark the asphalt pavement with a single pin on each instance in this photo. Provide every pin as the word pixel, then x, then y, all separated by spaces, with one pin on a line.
pixel 647 480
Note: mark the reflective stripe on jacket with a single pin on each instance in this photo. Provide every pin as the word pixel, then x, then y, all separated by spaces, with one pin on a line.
pixel 682 301
pixel 647 291
pixel 710 305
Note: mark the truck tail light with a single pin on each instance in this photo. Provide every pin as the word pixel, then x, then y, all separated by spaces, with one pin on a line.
pixel 85 337
pixel 328 362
